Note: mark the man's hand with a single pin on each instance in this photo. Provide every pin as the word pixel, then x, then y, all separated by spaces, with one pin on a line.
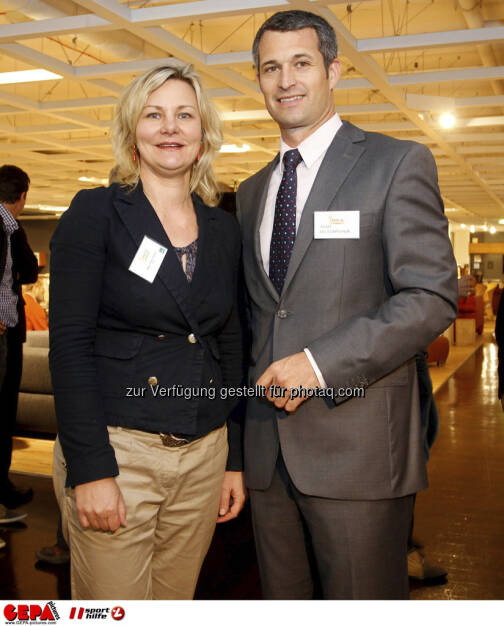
pixel 232 496
pixel 100 505
pixel 290 373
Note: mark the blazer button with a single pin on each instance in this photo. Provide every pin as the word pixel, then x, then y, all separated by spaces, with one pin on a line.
pixel 282 314
pixel 191 338
pixel 152 380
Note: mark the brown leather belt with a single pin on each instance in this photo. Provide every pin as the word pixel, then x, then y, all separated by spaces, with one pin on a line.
pixel 171 440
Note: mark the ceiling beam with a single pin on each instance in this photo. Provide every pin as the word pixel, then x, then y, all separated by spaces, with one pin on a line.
pixel 37 59
pixel 32 106
pixel 54 27
pixel 207 9
pixel 480 101
pixel 78 103
pixel 431 40
pixel 204 9
pixel 122 67
pixel 441 76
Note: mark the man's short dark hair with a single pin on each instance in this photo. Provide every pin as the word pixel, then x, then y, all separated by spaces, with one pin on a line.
pixel 13 183
pixel 285 21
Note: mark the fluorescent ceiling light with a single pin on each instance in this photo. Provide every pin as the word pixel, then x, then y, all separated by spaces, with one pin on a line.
pixel 447 120
pixel 232 147
pixel 473 229
pixel 52 209
pixel 491 120
pixel 27 76
pixel 463 226
pixel 46 207
pixel 92 179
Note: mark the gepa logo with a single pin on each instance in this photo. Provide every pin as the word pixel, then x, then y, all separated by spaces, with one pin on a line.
pixel 31 613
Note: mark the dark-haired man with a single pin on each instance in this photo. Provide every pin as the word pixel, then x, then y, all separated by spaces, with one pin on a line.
pixel 18 265
pixel 350 272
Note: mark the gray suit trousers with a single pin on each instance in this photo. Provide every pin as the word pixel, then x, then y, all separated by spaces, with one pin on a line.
pixel 358 548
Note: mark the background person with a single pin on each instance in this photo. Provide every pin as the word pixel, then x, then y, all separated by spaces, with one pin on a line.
pixel 143 295
pixel 18 265
pixel 36 317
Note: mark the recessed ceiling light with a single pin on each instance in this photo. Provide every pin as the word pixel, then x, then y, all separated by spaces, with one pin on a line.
pixel 447 120
pixel 493 230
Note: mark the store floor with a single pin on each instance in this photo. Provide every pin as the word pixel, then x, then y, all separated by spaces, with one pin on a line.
pixel 460 518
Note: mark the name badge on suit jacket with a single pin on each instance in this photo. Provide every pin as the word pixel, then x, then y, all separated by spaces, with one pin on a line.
pixel 148 259
pixel 336 224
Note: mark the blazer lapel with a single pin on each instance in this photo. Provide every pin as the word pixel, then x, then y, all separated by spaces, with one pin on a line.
pixel 340 159
pixel 141 220
pixel 205 260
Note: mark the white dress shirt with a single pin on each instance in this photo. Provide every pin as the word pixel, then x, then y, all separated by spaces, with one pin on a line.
pixel 312 150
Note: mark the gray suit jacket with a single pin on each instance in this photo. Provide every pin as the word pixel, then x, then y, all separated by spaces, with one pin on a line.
pixel 363 307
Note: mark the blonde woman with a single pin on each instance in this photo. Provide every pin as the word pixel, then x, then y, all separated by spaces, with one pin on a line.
pixel 145 338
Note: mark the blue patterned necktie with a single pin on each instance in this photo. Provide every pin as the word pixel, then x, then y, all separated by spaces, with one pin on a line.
pixel 284 225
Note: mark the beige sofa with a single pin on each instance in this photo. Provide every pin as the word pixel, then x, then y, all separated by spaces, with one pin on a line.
pixel 36 412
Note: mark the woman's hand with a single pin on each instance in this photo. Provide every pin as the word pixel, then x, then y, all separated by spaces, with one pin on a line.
pixel 232 496
pixel 100 505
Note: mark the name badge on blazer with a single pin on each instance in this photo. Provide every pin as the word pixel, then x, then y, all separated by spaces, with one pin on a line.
pixel 148 259
pixel 336 225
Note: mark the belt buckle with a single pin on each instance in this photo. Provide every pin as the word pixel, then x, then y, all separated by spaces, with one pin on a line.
pixel 170 441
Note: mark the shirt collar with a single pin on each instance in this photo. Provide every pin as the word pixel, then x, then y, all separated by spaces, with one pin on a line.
pixel 10 224
pixel 316 144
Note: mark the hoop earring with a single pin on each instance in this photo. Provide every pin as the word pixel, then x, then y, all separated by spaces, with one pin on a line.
pixel 134 153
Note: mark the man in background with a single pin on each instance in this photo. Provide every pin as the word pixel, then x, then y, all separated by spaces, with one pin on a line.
pixel 18 265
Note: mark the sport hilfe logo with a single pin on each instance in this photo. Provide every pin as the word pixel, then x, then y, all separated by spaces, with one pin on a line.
pixel 116 613
pixel 31 613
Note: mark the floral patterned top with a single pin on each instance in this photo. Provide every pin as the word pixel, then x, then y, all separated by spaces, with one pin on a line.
pixel 190 251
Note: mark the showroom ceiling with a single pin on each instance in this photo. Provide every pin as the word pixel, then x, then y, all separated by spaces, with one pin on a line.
pixel 406 63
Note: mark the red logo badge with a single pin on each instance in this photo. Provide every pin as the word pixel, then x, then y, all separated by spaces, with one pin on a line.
pixel 117 612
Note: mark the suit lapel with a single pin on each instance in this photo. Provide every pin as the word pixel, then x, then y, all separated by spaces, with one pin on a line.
pixel 262 186
pixel 340 159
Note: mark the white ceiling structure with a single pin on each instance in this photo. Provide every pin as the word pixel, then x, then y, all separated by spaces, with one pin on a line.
pixel 405 63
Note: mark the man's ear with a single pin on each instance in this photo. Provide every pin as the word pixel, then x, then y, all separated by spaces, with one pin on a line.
pixel 334 72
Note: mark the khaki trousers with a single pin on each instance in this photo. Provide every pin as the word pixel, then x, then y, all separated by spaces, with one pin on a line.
pixel 172 500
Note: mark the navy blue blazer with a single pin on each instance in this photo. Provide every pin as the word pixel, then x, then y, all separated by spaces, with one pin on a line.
pixel 112 331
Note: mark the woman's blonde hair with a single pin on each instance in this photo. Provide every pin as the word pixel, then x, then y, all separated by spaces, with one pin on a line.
pixel 128 110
